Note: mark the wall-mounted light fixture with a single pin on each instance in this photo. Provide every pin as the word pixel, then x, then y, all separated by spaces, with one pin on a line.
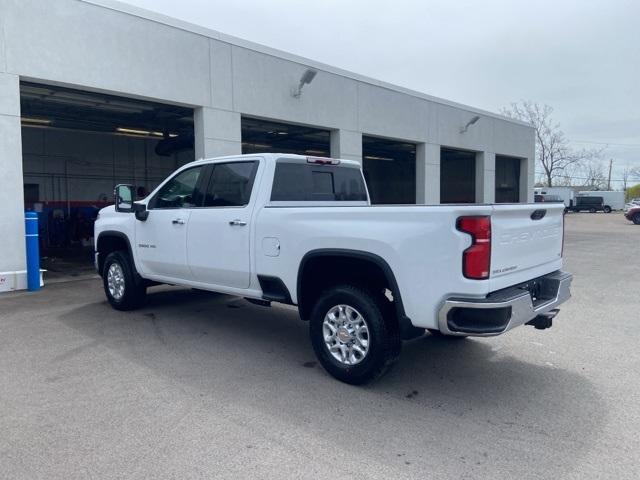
pixel 469 123
pixel 143 133
pixel 35 121
pixel 307 77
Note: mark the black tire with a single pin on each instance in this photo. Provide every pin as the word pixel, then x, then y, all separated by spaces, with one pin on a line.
pixel 592 210
pixel 636 219
pixel 438 333
pixel 606 209
pixel 383 339
pixel 135 290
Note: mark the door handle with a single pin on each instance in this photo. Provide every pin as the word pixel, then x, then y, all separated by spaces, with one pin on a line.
pixel 177 221
pixel 237 222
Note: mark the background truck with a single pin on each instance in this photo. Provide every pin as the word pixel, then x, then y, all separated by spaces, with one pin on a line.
pixel 565 193
pixel 589 203
pixel 301 231
pixel 611 200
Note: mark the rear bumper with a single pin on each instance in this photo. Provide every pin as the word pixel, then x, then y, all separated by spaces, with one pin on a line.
pixel 505 309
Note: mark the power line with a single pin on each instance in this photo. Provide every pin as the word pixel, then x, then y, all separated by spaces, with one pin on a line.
pixel 574 177
pixel 607 143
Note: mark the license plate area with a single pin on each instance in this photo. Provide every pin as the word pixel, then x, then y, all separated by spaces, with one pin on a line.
pixel 541 290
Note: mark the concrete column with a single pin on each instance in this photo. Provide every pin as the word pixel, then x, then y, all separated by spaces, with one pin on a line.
pixel 346 144
pixel 428 174
pixel 485 177
pixel 12 248
pixel 217 133
pixel 527 178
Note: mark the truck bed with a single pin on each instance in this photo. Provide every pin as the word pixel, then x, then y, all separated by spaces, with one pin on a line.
pixel 420 243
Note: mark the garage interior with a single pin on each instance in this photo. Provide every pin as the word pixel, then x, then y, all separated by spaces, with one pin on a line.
pixel 77 146
pixel 507 179
pixel 457 176
pixel 390 170
pixel 262 136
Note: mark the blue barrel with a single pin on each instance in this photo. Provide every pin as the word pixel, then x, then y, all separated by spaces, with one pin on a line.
pixel 33 250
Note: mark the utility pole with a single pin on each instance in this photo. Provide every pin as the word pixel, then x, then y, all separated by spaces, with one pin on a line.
pixel 609 180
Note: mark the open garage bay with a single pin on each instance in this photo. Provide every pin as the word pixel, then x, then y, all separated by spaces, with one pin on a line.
pixel 77 145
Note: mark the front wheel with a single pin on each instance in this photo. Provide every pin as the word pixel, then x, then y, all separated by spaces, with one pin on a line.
pixel 351 337
pixel 636 219
pixel 123 289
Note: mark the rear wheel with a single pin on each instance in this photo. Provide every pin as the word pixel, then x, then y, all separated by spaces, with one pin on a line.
pixel 123 288
pixel 592 210
pixel 606 209
pixel 352 338
pixel 636 219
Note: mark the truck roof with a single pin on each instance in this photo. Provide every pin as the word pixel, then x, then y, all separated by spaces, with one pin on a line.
pixel 273 157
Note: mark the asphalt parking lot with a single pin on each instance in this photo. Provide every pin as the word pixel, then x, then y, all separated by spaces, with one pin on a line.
pixel 209 386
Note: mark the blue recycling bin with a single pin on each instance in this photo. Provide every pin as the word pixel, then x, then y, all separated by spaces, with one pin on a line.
pixel 33 250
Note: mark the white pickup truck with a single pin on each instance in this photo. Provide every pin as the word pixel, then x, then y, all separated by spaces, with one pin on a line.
pixel 301 231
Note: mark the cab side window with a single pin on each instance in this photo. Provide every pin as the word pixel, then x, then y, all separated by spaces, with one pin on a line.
pixel 180 191
pixel 230 184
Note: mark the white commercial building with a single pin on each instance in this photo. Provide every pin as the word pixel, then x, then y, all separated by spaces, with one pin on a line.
pixel 95 92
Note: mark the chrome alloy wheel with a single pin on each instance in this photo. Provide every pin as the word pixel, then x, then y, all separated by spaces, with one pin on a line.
pixel 346 334
pixel 115 281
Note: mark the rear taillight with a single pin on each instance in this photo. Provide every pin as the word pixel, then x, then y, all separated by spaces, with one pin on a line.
pixel 476 260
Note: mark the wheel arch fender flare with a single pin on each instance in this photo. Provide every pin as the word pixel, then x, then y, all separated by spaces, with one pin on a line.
pixel 361 255
pixel 113 234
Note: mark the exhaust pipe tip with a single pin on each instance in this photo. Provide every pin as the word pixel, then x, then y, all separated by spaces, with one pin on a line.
pixel 544 320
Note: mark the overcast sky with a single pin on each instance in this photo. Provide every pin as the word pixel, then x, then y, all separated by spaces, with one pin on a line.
pixel 582 57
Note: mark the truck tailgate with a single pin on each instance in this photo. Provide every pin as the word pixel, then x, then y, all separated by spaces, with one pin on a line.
pixel 526 242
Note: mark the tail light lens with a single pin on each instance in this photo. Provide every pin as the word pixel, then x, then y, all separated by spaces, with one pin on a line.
pixel 476 260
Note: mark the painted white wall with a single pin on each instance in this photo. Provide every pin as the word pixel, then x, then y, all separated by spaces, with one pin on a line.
pixel 428 173
pixel 12 249
pixel 485 177
pixel 106 46
pixel 217 132
pixel 77 43
pixel 346 144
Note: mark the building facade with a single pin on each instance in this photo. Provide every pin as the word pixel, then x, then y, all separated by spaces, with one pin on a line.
pixel 95 92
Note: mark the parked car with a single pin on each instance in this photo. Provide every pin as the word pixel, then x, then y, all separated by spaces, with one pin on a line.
pixel 589 204
pixel 633 214
pixel 632 203
pixel 301 231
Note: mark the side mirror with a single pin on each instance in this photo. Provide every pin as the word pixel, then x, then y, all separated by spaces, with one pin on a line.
pixel 124 195
pixel 141 211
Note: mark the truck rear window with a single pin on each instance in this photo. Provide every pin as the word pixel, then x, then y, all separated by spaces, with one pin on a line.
pixel 295 182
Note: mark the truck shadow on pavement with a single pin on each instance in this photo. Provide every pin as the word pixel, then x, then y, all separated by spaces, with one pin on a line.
pixel 464 402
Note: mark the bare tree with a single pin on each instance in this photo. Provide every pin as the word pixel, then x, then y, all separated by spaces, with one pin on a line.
pixel 553 152
pixel 592 176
